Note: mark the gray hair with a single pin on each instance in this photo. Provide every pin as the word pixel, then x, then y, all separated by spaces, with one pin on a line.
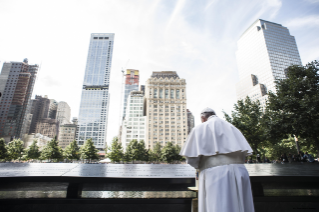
pixel 207 114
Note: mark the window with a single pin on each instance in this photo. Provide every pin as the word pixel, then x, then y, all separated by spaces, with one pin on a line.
pixel 155 93
pixel 177 93
pixel 161 93
pixel 166 94
pixel 172 94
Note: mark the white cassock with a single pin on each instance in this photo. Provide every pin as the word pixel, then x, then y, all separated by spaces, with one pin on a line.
pixel 218 150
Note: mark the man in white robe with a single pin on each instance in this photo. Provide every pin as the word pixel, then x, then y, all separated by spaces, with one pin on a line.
pixel 218 150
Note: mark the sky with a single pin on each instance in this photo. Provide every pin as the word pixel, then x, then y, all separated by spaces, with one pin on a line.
pixel 197 39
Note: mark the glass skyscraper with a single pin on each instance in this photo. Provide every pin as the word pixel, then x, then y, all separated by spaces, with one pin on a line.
pixel 94 107
pixel 265 50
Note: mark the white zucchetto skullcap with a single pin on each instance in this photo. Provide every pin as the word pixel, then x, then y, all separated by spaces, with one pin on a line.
pixel 208 110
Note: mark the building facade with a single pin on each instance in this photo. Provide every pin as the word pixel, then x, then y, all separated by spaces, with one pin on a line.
pixel 63 114
pixel 48 127
pixel 39 110
pixel 53 108
pixel 190 121
pixel 134 124
pixel 41 139
pixel 67 133
pixel 94 106
pixel 265 50
pixel 166 107
pixel 132 78
pixel 16 86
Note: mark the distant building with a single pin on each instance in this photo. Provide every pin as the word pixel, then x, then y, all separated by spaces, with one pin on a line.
pixel 16 86
pixel 53 109
pixel 132 78
pixel 41 140
pixel 39 110
pixel 142 88
pixel 63 114
pixel 166 107
pixel 190 121
pixel 94 106
pixel 67 133
pixel 134 123
pixel 48 127
pixel 265 50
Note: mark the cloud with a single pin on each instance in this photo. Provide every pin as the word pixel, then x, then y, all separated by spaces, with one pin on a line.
pixel 302 22
pixel 312 1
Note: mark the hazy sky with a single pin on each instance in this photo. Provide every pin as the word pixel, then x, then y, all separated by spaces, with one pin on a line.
pixel 195 38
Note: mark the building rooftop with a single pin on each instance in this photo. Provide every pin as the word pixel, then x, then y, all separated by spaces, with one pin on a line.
pixel 255 22
pixel 163 74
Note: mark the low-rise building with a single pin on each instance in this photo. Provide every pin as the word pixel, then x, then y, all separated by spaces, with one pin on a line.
pixel 41 139
pixel 67 133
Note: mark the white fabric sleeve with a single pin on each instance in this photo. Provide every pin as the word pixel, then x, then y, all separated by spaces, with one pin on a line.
pixel 193 161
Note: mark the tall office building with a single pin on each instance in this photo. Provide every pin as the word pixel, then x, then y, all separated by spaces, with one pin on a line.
pixel 16 86
pixel 134 123
pixel 265 50
pixel 94 106
pixel 131 84
pixel 39 110
pixel 63 114
pixel 166 109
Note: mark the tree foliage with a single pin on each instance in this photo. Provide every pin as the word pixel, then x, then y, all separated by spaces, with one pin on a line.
pixel 15 149
pixel 135 151
pixel 248 117
pixel 89 151
pixel 52 151
pixel 3 149
pixel 156 153
pixel 169 153
pixel 295 105
pixel 115 151
pixel 32 152
pixel 72 151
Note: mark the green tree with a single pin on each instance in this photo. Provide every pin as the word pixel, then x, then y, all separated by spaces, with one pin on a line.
pixel 168 153
pixel 135 151
pixel 15 149
pixel 115 151
pixel 52 151
pixel 296 103
pixel 72 151
pixel 177 151
pixel 248 117
pixel 32 152
pixel 89 151
pixel 3 150
pixel 156 153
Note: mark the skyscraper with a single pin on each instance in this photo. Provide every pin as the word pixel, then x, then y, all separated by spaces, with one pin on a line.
pixel 63 114
pixel 166 109
pixel 131 84
pixel 94 106
pixel 16 85
pixel 134 123
pixel 265 50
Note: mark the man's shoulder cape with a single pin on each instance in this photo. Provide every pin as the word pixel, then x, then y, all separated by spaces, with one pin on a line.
pixel 213 137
